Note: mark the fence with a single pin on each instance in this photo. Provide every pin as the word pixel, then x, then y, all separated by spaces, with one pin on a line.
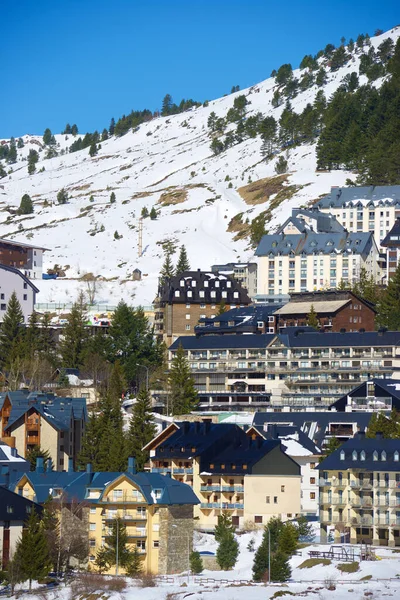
pixel 212 581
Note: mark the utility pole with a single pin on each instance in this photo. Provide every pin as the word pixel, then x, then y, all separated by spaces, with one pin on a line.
pixel 140 240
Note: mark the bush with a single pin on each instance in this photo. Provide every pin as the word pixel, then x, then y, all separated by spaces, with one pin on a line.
pixel 281 593
pixel 62 196
pixel 366 578
pixel 351 567
pixel 147 580
pixel 281 165
pixel 196 564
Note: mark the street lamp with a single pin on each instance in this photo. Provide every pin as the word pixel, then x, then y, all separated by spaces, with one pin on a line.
pixel 147 375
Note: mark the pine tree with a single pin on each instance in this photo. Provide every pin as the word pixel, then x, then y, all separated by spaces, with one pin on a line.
pixel 62 196
pixel 74 335
pixel 221 308
pixel 142 429
pixel 227 552
pixel 33 158
pixel 183 262
pixel 144 212
pixel 280 567
pixel 153 214
pixel 12 333
pixel 331 446
pixel 111 129
pixel 47 137
pixel 281 165
pixel 304 529
pixel 26 205
pixel 167 270
pixel 312 318
pixel 196 564
pixel 389 307
pixel 389 427
pixel 91 442
pixel 120 541
pixel 224 525
pixel 102 559
pixel 135 566
pixel 32 550
pixel 112 197
pixel 67 129
pixel 12 154
pixel 93 149
pixel 74 130
pixel 183 395
pixel 104 135
pixel 35 453
pixel 166 105
pixel 288 539
pixel 260 563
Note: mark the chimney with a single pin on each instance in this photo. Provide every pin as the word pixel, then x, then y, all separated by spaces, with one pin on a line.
pixel 132 465
pixel 70 465
pixel 49 466
pixel 39 465
pixel 88 468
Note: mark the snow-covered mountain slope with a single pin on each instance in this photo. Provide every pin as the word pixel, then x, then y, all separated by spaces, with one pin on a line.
pixel 167 164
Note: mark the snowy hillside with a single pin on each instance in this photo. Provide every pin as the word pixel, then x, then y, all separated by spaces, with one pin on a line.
pixel 167 164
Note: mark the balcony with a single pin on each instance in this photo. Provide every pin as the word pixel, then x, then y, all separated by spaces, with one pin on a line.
pixel 210 505
pixel 368 521
pixel 362 502
pixel 339 483
pixel 233 488
pixel 358 483
pixel 124 497
pixel 324 482
pixel 339 501
pixel 161 469
pixel 126 517
pixel 210 488
pixel 385 484
pixel 32 440
pixel 232 506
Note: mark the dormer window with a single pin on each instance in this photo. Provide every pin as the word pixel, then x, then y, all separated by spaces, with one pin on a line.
pixel 342 455
pixel 354 455
pixel 362 455
pixel 201 293
pixel 383 455
pixel 236 294
pixel 217 284
pixel 229 284
pixel 193 283
pixel 182 283
pixel 190 294
pixel 206 284
pixel 224 294
pixel 396 456
pixel 375 455
pixel 177 294
pixel 213 294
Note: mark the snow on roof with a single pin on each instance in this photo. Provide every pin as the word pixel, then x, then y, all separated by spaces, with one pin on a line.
pixel 293 447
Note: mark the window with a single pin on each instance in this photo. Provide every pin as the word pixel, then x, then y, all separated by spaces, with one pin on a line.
pixel 312 480
pixel 92 526
pixel 92 543
pixel 312 495
pixel 258 519
pixel 354 455
pixel 282 488
pixel 10 509
pixel 177 293
pixel 312 465
pixel 187 327
pixel 201 293
pixel 117 494
pixel 213 294
pixel 3 307
pixel 92 510
pixel 375 455
pixel 275 499
pixel 156 544
pixel 202 305
pixel 396 456
pixel 383 455
pixel 187 305
pixel 2 296
pixel 190 294
pixel 268 499
pixel 187 317
pixel 362 455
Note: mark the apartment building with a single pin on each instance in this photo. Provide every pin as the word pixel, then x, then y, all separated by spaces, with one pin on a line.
pixel 25 257
pixel 336 310
pixel 391 245
pixel 312 261
pixel 228 471
pixel 296 368
pixel 371 396
pixel 194 295
pixel 14 512
pixel 12 280
pixel 10 460
pixel 360 491
pixel 249 319
pixel 364 209
pixel 303 221
pixel 297 445
pixel 157 511
pixel 54 423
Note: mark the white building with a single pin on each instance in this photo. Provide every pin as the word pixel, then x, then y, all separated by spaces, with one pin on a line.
pixel 361 209
pixel 310 261
pixel 12 280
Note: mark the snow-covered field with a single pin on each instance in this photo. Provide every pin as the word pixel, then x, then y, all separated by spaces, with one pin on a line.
pixel 237 585
pixel 164 155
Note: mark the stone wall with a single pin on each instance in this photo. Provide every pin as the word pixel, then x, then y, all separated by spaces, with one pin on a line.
pixel 176 539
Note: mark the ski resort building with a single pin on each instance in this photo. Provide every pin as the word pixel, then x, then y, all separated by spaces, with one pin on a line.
pixel 13 280
pixel 228 471
pixel 360 491
pixel 157 511
pixel 309 261
pixel 26 258
pixel 194 295
pixel 371 209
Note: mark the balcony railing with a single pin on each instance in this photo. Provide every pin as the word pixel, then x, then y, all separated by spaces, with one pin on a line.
pixel 233 488
pixel 161 469
pixel 126 517
pixel 210 488
pixel 223 505
pixel 324 482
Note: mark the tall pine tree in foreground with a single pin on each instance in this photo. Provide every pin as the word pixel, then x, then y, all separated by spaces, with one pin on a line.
pixel 32 552
pixel 389 307
pixel 228 548
pixel 142 429
pixel 167 270
pixel 74 335
pixel 183 262
pixel 12 333
pixel 183 395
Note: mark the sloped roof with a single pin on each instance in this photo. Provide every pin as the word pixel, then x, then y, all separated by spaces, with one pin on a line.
pixel 315 243
pixel 322 222
pixel 340 196
pixel 369 446
pixel 20 274
pixel 21 506
pixel 392 239
pixel 326 306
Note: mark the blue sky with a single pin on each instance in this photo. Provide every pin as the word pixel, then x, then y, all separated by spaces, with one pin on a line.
pixel 85 61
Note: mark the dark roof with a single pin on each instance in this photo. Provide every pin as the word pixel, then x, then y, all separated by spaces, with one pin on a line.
pixel 22 244
pixel 21 507
pixel 244 319
pixel 314 424
pixel 215 444
pixel 58 411
pixel 189 284
pixel 383 388
pixel 392 240
pixel 315 243
pixel 321 295
pixel 358 444
pixel 23 277
pixel 323 222
pixel 76 485
pixel 291 337
pixel 276 431
pixel 374 193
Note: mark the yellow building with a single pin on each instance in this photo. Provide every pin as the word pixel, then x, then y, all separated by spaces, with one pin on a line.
pixel 360 492
pixel 228 471
pixel 157 511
